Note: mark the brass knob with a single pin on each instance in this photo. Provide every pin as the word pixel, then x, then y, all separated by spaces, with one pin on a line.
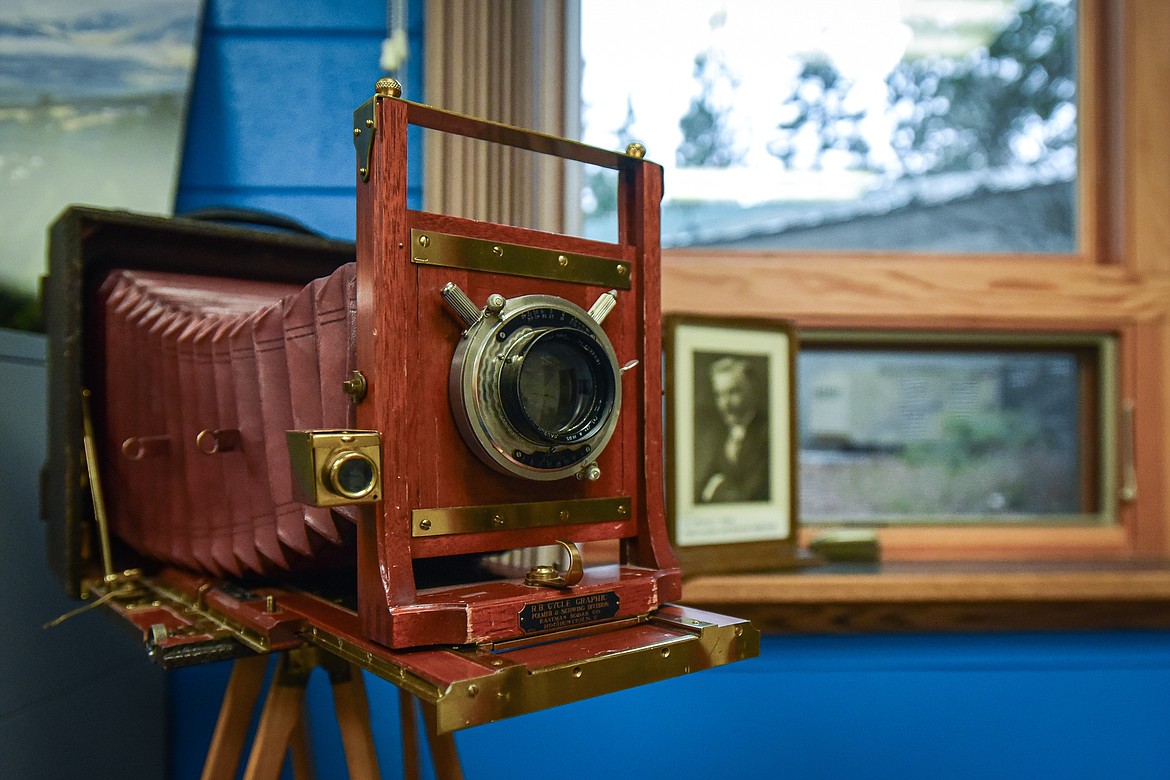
pixel 636 150
pixel 388 87
pixel 355 387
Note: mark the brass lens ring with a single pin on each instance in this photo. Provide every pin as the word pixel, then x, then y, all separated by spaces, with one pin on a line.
pixel 351 474
pixel 535 388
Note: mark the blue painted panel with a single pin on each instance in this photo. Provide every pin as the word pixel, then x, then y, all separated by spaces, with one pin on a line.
pixel 955 707
pixel 972 706
pixel 365 15
pixel 277 112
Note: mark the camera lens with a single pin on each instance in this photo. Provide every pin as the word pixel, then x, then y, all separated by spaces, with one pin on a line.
pixel 352 474
pixel 556 385
pixel 535 388
pixel 557 390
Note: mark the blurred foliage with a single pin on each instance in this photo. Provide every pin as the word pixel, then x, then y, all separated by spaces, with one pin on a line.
pixel 599 193
pixel 817 106
pixel 20 310
pixel 707 140
pixel 971 437
pixel 1011 103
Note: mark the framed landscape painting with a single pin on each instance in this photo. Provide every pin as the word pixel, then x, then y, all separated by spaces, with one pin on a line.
pixel 93 102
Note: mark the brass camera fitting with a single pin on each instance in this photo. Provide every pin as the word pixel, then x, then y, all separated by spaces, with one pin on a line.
pixel 335 467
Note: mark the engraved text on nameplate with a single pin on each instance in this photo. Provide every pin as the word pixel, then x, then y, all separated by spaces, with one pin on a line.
pixel 565 613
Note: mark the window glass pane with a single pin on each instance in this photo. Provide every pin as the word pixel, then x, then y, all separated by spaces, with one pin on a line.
pixel 897 435
pixel 920 125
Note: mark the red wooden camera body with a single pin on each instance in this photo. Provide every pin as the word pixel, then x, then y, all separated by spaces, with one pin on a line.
pixel 405 342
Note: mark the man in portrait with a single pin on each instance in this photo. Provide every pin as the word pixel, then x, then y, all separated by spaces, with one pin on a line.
pixel 732 446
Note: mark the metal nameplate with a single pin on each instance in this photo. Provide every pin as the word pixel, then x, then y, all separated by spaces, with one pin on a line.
pixel 429 247
pixel 568 612
pixel 511 517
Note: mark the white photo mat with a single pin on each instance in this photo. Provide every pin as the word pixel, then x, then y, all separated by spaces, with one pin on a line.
pixel 698 523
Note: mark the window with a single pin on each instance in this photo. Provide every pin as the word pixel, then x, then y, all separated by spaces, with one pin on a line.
pixel 914 126
pixel 1110 276
pixel 958 428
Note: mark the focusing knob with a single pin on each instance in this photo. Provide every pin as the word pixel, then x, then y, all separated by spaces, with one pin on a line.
pixel 603 306
pixel 460 304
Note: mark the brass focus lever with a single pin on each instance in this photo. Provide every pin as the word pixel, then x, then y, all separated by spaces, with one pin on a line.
pixel 548 575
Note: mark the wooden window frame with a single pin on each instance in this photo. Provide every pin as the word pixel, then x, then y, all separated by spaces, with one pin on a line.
pixel 1117 282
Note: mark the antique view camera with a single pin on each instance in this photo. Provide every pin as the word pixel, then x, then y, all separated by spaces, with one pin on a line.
pixel 258 442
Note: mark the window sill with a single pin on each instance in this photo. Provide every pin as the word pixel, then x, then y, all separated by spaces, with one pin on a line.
pixel 907 597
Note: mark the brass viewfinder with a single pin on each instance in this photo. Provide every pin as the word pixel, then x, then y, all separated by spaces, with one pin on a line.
pixel 333 468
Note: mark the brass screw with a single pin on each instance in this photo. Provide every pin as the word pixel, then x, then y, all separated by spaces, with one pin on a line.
pixel 576 671
pixel 563 516
pixel 622 510
pixel 739 630
pixel 356 386
pixel 424 524
pixel 357 131
pixel 388 87
pixel 497 521
pixel 562 261
pixel 424 240
pixel 369 123
pixel 497 251
pixel 621 269
pixel 636 150
pixel 473 690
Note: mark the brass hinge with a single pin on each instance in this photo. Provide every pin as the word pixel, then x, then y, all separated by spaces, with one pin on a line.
pixel 364 125
pixel 1129 487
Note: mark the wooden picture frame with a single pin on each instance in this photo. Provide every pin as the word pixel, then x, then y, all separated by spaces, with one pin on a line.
pixel 731 443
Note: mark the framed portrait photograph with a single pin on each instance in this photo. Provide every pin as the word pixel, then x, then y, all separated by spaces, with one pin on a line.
pixel 731 433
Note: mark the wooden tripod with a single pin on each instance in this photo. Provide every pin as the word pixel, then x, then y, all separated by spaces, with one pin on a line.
pixel 283 727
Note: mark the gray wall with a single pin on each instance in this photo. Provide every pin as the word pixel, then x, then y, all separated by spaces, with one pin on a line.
pixel 81 699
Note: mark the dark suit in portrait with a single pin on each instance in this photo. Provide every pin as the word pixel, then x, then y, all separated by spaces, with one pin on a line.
pixel 732 441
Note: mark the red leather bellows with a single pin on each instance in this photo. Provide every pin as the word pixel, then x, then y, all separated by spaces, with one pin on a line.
pixel 203 376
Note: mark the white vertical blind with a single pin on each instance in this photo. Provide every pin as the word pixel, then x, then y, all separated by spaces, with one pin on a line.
pixel 512 61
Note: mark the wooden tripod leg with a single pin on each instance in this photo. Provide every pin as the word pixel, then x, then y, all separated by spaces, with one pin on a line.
pixel 282 712
pixel 299 748
pixel 444 755
pixel 239 700
pixel 409 727
pixel 353 718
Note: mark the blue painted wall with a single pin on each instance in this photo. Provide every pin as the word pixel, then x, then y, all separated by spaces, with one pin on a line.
pixel 270 128
pixel 270 124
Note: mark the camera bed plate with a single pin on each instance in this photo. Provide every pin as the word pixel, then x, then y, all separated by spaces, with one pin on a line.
pixel 185 619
